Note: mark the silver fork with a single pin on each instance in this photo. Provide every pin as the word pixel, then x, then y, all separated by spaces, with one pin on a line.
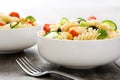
pixel 32 70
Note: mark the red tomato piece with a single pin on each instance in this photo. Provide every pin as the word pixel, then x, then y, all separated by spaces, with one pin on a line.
pixel 74 33
pixel 46 28
pixel 91 18
pixel 14 14
pixel 1 24
pixel 30 22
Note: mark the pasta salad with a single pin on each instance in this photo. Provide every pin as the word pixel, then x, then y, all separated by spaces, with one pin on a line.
pixel 13 20
pixel 81 29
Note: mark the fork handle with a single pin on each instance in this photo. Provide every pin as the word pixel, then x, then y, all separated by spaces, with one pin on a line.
pixel 66 75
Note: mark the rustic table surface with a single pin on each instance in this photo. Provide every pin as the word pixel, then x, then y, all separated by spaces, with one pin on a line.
pixel 9 69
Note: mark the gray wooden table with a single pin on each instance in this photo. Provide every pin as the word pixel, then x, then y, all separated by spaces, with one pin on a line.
pixel 9 70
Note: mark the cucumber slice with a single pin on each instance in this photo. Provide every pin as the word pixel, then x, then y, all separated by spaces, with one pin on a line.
pixel 51 35
pixel 111 24
pixel 63 20
pixel 81 19
pixel 84 24
pixel 30 18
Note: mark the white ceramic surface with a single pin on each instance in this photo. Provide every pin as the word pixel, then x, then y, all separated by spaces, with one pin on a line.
pixel 81 53
pixel 14 40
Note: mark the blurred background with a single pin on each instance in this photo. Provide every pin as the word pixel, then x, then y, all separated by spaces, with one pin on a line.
pixel 50 11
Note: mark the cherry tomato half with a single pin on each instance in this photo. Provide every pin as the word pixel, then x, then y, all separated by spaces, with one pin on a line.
pixel 14 14
pixel 1 24
pixel 91 18
pixel 46 28
pixel 30 22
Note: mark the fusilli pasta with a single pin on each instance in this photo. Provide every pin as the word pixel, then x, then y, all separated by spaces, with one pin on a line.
pixel 88 35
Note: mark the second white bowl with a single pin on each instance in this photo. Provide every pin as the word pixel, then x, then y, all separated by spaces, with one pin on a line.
pixel 13 40
pixel 79 53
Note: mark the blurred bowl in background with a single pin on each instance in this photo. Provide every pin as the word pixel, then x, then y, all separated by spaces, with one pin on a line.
pixel 14 40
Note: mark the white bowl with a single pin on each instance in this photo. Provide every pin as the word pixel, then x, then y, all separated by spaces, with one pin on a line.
pixel 79 53
pixel 14 40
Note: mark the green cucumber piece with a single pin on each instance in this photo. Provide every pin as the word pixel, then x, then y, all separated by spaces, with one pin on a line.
pixel 51 35
pixel 111 24
pixel 84 24
pixel 81 19
pixel 63 20
pixel 30 18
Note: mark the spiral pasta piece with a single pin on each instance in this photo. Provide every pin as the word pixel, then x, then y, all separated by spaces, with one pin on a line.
pixel 54 27
pixel 93 23
pixel 105 27
pixel 68 25
pixel 89 35
pixel 113 34
pixel 63 35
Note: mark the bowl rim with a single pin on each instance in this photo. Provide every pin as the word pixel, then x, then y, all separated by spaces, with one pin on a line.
pixel 38 35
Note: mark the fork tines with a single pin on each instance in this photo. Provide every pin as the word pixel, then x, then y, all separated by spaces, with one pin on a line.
pixel 27 66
